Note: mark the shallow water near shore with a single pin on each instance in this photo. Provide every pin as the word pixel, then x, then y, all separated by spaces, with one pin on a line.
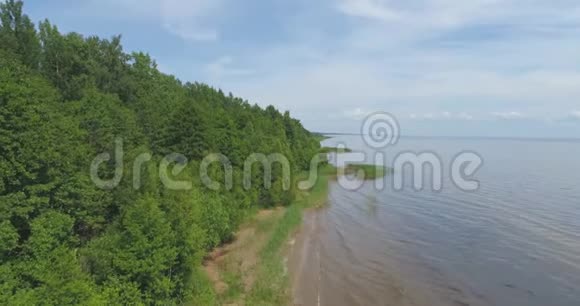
pixel 515 241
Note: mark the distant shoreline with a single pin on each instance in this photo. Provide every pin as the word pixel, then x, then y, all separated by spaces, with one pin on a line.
pixel 536 139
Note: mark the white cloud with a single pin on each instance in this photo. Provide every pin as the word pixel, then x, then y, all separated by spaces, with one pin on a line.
pixel 372 9
pixel 223 67
pixel 344 82
pixel 441 116
pixel 415 16
pixel 357 113
pixel 191 32
pixel 191 20
pixel 508 115
pixel 574 115
pixel 465 116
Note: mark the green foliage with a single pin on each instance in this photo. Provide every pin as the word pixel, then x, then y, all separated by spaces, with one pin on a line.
pixel 49 231
pixel 187 132
pixel 367 172
pixel 334 150
pixel 8 239
pixel 17 33
pixel 64 99
pixel 201 289
pixel 272 282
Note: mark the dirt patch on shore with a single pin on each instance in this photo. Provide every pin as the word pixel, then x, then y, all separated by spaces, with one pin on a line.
pixel 232 267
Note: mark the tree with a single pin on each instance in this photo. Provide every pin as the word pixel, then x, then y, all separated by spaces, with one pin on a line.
pixel 64 99
pixel 140 249
pixel 187 132
pixel 17 33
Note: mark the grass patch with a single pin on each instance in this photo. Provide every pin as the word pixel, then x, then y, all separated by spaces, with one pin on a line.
pixel 318 195
pixel 265 226
pixel 272 285
pixel 229 271
pixel 334 150
pixel 235 288
pixel 202 291
pixel 369 172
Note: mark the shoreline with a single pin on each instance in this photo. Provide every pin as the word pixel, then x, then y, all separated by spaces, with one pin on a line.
pixel 254 268
pixel 317 278
pixel 305 282
pixel 275 258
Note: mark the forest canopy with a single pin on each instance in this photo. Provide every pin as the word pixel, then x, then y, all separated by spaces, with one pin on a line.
pixel 64 99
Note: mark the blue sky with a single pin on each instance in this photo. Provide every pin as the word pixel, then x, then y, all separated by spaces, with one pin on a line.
pixel 442 67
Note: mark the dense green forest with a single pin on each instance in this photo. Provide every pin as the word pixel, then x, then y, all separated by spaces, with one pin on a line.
pixel 64 99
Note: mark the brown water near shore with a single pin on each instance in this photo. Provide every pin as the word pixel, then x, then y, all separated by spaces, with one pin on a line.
pixel 327 268
pixel 320 279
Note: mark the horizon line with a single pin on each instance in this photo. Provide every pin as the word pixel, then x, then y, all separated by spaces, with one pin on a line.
pixel 460 137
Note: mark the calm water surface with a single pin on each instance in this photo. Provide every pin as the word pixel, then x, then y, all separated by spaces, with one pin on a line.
pixel 515 241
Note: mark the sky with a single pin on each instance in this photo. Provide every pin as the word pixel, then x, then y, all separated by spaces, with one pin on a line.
pixel 507 68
